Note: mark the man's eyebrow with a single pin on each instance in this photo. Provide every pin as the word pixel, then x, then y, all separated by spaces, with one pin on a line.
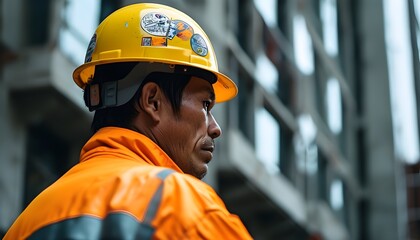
pixel 210 91
pixel 212 95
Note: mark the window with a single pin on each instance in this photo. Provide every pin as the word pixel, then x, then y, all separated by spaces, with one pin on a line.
pixel 266 73
pixel 37 22
pixel 308 161
pixel 329 26
pixel 268 10
pixel 245 101
pixel 413 199
pixel 80 19
pixel 333 102
pixel 47 159
pixel 267 143
pixel 107 7
pixel 401 77
pixel 244 25
pixel 302 46
pixel 336 195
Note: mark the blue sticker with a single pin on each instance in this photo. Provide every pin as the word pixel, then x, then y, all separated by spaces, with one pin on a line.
pixel 91 48
pixel 199 45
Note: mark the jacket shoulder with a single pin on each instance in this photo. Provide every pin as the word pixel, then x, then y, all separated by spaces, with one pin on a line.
pixel 191 209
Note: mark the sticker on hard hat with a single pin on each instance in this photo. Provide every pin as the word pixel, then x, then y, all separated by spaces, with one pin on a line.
pixel 199 45
pixel 163 28
pixel 154 41
pixel 180 29
pixel 91 48
pixel 155 24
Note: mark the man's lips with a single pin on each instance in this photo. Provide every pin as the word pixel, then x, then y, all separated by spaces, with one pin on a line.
pixel 209 148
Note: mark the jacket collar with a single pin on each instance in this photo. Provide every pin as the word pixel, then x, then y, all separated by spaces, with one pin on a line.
pixel 126 144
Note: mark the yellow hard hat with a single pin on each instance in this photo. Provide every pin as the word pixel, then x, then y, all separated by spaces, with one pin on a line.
pixel 153 33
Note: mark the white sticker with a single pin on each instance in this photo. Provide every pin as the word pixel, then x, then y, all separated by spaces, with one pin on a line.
pixel 155 24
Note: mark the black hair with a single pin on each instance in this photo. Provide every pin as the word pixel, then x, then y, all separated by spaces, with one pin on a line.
pixel 171 84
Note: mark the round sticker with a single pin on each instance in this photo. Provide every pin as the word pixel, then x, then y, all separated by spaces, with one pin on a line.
pixel 199 45
pixel 180 29
pixel 155 24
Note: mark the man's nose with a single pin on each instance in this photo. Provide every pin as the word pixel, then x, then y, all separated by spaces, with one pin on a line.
pixel 214 129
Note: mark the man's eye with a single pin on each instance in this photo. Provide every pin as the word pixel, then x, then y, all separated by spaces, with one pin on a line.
pixel 206 105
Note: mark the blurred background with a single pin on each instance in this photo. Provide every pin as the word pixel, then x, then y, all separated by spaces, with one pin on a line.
pixel 322 141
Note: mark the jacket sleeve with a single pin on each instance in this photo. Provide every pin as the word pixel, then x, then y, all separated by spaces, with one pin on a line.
pixel 218 225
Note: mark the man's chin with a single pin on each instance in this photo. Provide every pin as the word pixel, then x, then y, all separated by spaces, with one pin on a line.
pixel 203 172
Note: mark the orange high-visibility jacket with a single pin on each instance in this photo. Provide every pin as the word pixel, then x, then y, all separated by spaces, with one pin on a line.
pixel 126 187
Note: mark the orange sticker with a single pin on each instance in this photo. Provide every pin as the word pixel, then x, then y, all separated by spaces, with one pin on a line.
pixel 159 41
pixel 184 30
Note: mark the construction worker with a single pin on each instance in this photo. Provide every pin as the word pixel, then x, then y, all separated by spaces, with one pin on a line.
pixel 152 78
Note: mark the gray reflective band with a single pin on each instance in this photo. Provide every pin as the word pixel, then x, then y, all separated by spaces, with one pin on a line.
pixel 113 226
pixel 157 197
pixel 164 173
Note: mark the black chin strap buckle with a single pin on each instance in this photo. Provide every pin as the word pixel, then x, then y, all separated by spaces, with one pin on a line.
pixel 101 95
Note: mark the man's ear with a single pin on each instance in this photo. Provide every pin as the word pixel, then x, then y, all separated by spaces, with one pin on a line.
pixel 151 100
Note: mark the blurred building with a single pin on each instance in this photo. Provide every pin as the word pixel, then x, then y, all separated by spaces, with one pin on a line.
pixel 321 142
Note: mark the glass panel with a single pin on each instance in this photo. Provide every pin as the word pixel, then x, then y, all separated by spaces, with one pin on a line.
pixel 46 160
pixel 417 8
pixel 266 73
pixel 416 4
pixel 322 176
pixel 329 26
pixel 268 10
pixel 107 7
pixel 305 145
pixel 418 39
pixel 400 69
pixel 333 102
pixel 413 199
pixel 336 195
pixel 81 18
pixel 245 101
pixel 267 131
pixel 303 50
pixel 37 21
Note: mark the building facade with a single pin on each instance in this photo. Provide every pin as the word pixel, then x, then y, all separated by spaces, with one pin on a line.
pixel 321 142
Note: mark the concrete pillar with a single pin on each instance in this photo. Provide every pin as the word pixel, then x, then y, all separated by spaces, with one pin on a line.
pixel 12 160
pixel 377 123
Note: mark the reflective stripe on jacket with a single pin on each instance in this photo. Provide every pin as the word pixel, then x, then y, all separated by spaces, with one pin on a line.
pixel 126 187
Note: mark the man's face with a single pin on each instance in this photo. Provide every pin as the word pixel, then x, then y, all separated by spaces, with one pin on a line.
pixel 188 138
